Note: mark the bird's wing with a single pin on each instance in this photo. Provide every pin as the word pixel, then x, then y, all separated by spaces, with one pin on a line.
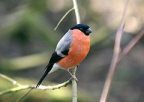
pixel 61 51
pixel 62 48
pixel 63 45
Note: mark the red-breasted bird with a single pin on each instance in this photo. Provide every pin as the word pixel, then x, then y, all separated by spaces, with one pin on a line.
pixel 70 51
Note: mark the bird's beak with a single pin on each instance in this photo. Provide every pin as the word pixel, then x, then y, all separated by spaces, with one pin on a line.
pixel 89 31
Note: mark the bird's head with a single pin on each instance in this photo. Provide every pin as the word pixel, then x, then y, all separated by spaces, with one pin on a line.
pixel 82 27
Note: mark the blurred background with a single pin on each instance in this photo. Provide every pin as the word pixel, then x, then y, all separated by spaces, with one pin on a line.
pixel 27 40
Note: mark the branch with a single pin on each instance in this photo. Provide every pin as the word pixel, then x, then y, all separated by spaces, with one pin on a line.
pixel 21 87
pixel 129 47
pixel 77 14
pixel 115 57
pixel 74 83
pixel 13 90
pixel 10 79
pixel 132 43
pixel 74 87
pixel 63 17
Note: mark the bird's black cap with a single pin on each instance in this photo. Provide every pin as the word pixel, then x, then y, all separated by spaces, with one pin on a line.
pixel 82 27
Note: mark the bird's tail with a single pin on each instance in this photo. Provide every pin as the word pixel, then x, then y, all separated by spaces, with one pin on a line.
pixel 47 70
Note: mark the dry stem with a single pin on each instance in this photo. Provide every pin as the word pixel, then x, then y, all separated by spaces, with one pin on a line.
pixel 115 57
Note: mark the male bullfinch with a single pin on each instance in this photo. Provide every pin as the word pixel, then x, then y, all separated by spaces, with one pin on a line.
pixel 70 51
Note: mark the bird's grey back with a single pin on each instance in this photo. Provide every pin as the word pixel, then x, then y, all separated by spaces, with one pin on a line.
pixel 64 44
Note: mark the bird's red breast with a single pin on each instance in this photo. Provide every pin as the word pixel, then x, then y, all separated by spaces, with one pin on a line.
pixel 79 49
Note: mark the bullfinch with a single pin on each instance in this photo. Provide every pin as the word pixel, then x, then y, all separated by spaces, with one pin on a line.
pixel 70 51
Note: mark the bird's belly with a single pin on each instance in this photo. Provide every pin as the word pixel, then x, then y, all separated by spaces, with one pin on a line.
pixel 77 53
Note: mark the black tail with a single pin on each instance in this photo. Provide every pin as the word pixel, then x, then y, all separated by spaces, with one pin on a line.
pixel 48 68
pixel 55 58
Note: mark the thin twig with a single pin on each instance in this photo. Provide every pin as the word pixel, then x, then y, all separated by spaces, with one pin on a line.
pixel 63 17
pixel 74 83
pixel 15 89
pixel 132 43
pixel 77 14
pixel 74 87
pixel 10 79
pixel 115 58
pixel 41 87
pixel 129 46
pixel 21 87
pixel 64 84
